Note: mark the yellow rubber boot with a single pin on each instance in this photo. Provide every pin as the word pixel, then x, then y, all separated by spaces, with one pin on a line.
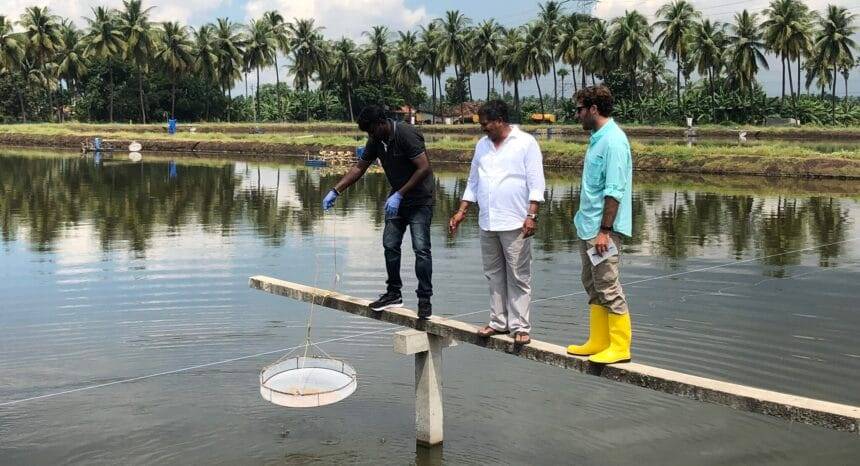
pixel 620 335
pixel 598 333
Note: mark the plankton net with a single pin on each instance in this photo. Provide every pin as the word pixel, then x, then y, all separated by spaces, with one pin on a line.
pixel 313 378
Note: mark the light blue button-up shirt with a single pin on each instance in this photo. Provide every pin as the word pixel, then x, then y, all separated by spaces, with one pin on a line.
pixel 607 171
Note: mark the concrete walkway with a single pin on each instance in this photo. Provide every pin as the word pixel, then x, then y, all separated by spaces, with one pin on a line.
pixel 741 397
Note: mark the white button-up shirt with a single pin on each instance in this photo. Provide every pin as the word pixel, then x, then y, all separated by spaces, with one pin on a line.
pixel 503 181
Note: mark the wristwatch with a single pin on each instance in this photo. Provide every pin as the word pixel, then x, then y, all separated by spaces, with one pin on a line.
pixel 607 229
pixel 532 216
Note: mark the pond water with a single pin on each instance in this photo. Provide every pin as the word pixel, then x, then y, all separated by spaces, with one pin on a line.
pixel 128 332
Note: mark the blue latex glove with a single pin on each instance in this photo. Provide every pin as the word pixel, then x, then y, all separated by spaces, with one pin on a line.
pixel 328 202
pixel 392 205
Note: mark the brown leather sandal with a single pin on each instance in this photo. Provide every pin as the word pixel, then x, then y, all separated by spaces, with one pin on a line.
pixel 522 338
pixel 488 331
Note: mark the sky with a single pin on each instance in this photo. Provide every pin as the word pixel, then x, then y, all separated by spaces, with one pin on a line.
pixel 349 18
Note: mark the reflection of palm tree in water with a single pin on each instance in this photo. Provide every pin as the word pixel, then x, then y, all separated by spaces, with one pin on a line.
pixel 128 202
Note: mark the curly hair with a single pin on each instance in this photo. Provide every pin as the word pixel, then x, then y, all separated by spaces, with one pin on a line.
pixel 596 95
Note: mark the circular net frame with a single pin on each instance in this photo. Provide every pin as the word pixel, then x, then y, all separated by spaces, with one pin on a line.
pixel 307 382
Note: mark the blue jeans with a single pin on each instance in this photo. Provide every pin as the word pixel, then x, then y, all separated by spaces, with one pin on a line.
pixel 418 219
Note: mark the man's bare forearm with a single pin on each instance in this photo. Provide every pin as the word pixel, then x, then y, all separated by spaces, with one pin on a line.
pixel 534 207
pixel 415 179
pixel 610 210
pixel 422 163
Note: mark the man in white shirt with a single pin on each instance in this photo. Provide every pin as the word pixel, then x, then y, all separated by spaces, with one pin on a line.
pixel 506 180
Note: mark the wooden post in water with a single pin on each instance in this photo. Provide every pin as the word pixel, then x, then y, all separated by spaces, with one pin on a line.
pixel 427 349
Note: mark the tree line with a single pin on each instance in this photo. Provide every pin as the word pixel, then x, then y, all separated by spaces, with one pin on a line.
pixel 48 63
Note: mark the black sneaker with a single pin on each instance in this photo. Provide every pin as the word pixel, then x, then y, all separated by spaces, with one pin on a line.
pixel 425 309
pixel 387 301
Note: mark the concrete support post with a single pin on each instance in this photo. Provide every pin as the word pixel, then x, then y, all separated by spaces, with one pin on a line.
pixel 428 393
pixel 427 349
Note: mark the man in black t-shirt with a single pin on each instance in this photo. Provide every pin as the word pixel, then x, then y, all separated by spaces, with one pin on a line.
pixel 400 149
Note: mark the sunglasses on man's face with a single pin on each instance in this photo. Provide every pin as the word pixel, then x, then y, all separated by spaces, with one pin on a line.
pixel 580 107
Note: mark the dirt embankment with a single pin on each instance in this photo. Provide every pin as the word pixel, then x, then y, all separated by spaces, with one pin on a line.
pixel 673 132
pixel 819 167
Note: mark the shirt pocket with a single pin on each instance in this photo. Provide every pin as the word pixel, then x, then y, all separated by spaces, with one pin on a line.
pixel 594 172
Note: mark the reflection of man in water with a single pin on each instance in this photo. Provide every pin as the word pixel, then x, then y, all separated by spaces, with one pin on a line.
pixel 400 149
pixel 604 215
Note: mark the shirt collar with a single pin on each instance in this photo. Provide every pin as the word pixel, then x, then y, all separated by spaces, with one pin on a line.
pixel 515 133
pixel 598 135
pixel 393 130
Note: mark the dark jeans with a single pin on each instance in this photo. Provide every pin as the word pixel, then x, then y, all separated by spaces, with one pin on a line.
pixel 418 219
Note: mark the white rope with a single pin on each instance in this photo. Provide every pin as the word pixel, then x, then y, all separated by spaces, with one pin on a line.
pixel 374 332
pixel 635 282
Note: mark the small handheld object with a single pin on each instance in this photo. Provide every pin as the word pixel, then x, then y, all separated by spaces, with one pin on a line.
pixel 597 258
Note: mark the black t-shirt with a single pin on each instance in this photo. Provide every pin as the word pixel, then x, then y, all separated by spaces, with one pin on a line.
pixel 397 154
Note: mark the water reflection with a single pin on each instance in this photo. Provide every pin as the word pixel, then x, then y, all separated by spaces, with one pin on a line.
pixel 675 217
pixel 123 270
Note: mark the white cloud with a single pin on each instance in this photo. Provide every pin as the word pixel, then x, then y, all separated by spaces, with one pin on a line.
pixel 191 12
pixel 344 17
pixel 713 9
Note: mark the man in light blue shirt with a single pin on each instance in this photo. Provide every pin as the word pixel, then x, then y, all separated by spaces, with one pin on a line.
pixel 604 215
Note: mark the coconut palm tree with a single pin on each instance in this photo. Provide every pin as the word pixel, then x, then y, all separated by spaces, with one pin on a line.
pixel 10 47
pixel 819 72
pixel 175 53
pixel 309 52
pixel 708 39
pixel 205 56
pixel 485 40
pixel 204 52
pixel 834 44
pixel 570 45
pixel 845 67
pixel 452 45
pixel 377 52
pixel 469 66
pixel 407 66
pixel 70 60
pixel 139 37
pixel 563 73
pixel 597 56
pixel 803 37
pixel 550 15
pixel 280 34
pixel 510 67
pixel 675 24
pixel 655 69
pixel 259 53
pixel 431 59
pixel 42 38
pixel 787 33
pixel 346 68
pixel 630 40
pixel 535 57
pixel 11 55
pixel 104 41
pixel 746 51
pixel 229 46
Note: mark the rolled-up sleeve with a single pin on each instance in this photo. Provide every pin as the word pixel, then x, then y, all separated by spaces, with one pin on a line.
pixel 534 173
pixel 617 158
pixel 471 192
